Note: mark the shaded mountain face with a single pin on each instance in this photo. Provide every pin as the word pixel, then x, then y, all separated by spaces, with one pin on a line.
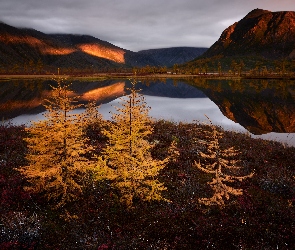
pixel 22 50
pixel 170 56
pixel 260 33
pixel 260 106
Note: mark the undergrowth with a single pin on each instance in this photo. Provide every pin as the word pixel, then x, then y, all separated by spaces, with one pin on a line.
pixel 263 217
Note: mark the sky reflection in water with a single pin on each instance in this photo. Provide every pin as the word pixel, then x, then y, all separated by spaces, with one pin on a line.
pixel 179 109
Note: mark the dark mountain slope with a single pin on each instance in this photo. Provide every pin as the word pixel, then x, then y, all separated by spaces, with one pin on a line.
pixel 170 56
pixel 96 47
pixel 31 51
pixel 27 48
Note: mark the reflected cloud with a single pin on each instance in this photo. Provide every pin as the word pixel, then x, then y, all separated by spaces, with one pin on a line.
pixel 177 110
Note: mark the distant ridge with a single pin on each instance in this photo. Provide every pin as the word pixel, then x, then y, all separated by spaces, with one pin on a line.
pixel 24 49
pixel 175 55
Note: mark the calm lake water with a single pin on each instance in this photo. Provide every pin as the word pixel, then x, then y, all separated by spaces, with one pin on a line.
pixel 262 108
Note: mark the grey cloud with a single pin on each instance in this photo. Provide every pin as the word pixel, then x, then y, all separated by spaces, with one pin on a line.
pixel 136 24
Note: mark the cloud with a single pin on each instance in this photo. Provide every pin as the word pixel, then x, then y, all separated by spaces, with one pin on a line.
pixel 135 24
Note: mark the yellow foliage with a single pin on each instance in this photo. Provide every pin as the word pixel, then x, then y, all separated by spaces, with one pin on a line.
pixel 127 157
pixel 92 117
pixel 56 150
pixel 219 162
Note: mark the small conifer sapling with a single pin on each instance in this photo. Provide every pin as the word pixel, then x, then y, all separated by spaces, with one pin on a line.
pixel 220 163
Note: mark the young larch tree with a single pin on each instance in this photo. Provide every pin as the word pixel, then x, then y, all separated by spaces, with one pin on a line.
pixel 93 121
pixel 128 155
pixel 57 149
pixel 223 165
pixel 92 117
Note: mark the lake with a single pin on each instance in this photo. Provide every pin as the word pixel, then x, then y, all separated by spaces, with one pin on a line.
pixel 263 108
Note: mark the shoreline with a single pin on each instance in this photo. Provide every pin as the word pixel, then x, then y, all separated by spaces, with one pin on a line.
pixel 102 76
pixel 285 139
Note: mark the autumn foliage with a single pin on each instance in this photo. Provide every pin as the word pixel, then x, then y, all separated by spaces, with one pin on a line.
pixel 57 150
pixel 223 165
pixel 130 165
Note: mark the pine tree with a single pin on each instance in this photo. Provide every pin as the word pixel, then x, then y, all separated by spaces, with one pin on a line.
pixel 221 163
pixel 57 149
pixel 128 155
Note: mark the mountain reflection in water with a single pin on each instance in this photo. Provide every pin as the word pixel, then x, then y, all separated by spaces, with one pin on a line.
pixel 260 106
pixel 265 108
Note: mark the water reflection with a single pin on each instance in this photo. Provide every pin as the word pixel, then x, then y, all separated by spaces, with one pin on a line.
pixel 261 107
pixel 18 97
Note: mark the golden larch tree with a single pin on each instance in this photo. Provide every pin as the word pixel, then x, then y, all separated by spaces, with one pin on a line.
pixel 128 155
pixel 92 117
pixel 222 164
pixel 57 149
pixel 93 120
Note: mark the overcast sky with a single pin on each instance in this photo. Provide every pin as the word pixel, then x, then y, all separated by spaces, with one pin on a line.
pixel 136 24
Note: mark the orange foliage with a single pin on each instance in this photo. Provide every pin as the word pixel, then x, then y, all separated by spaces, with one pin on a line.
pixel 115 55
pixel 18 39
pixel 34 42
pixel 57 51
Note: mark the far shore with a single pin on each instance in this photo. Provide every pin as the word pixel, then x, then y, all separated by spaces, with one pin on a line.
pixel 102 76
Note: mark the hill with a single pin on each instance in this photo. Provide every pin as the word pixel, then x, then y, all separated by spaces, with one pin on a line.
pixel 30 51
pixel 176 55
pixel 260 32
pixel 261 37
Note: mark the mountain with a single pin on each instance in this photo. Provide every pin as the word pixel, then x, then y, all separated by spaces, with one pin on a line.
pixel 31 51
pixel 102 49
pixel 24 49
pixel 176 55
pixel 261 35
pixel 261 32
